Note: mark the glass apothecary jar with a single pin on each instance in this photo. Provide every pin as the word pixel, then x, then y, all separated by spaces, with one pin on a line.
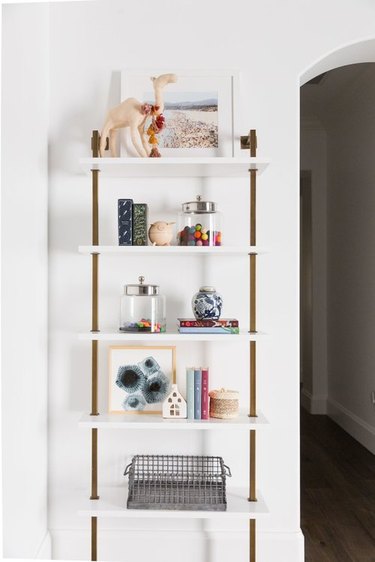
pixel 143 309
pixel 199 224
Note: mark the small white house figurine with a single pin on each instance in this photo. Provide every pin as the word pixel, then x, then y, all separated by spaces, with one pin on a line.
pixel 174 406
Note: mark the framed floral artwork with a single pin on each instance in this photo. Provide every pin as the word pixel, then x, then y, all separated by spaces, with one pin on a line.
pixel 140 378
pixel 199 111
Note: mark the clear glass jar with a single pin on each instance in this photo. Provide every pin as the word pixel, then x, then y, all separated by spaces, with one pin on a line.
pixel 199 224
pixel 143 309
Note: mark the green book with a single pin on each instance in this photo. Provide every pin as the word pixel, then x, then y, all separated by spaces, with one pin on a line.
pixel 140 212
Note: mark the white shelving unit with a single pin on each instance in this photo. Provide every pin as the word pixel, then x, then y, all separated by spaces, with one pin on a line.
pixel 242 503
pixel 112 503
pixel 169 336
pixel 174 251
pixel 152 421
pixel 174 167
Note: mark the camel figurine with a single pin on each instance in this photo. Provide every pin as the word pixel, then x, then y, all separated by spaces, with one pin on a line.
pixel 133 114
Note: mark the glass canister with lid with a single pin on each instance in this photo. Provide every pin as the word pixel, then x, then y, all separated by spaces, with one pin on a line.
pixel 143 308
pixel 199 224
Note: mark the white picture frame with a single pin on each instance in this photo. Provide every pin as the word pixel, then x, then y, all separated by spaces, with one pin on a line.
pixel 119 356
pixel 194 84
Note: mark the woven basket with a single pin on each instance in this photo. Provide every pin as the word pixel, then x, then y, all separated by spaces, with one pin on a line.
pixel 224 404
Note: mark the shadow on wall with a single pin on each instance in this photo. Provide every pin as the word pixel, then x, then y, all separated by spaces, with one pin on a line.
pixel 73 134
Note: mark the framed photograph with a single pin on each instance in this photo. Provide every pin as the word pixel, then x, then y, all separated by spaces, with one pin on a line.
pixel 199 112
pixel 140 378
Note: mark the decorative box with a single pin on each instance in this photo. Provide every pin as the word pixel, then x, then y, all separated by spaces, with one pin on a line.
pixel 125 222
pixel 224 404
pixel 140 213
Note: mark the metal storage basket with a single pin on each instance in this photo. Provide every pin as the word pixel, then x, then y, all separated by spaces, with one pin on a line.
pixel 177 483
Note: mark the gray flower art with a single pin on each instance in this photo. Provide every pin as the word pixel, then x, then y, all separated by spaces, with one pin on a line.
pixel 144 384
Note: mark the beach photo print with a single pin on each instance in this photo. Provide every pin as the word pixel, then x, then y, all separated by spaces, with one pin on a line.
pixel 198 112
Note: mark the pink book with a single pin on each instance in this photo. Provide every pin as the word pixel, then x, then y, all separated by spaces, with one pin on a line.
pixel 205 410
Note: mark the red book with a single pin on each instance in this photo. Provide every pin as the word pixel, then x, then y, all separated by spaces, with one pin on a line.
pixel 208 323
pixel 205 411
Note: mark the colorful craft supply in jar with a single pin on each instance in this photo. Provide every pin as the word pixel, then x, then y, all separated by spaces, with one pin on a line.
pixel 144 325
pixel 142 308
pixel 199 224
pixel 194 236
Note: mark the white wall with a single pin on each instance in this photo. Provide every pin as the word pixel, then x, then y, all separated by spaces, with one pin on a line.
pixel 314 158
pixel 24 279
pixel 103 38
pixel 89 43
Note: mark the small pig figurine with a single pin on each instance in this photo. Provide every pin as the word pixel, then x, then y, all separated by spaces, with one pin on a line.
pixel 160 233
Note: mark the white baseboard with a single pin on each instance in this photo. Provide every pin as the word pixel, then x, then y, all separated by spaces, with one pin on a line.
pixel 313 404
pixel 283 547
pixel 44 551
pixel 363 432
pixel 199 545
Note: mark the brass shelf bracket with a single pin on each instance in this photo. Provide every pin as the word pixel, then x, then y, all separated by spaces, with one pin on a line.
pixel 249 142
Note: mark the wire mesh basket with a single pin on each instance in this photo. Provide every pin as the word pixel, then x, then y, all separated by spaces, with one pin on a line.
pixel 177 483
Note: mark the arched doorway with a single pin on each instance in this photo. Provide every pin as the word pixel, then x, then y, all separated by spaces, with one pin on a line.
pixel 338 437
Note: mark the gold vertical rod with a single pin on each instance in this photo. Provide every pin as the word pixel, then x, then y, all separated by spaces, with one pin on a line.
pixel 95 233
pixel 253 380
pixel 253 203
pixel 94 378
pixel 252 481
pixel 253 236
pixel 252 328
pixel 253 180
pixel 253 292
pixel 95 207
pixel 95 293
pixel 252 533
pixel 94 538
pixel 94 465
pixel 95 140
pixel 94 344
pixel 252 264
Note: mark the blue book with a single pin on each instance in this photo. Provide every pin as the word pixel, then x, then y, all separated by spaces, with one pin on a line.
pixel 190 392
pixel 125 222
pixel 197 394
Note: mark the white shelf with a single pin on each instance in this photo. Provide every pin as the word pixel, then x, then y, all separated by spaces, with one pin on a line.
pixel 174 167
pixel 172 250
pixel 169 336
pixel 152 421
pixel 112 503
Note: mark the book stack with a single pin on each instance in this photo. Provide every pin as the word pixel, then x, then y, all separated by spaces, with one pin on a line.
pixel 208 326
pixel 197 393
pixel 132 223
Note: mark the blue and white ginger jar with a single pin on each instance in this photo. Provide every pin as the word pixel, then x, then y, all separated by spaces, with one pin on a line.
pixel 207 304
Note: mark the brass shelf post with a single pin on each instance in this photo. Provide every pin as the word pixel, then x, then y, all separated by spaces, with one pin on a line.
pixel 251 142
pixel 94 345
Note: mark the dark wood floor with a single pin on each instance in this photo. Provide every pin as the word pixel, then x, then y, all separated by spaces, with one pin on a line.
pixel 337 494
